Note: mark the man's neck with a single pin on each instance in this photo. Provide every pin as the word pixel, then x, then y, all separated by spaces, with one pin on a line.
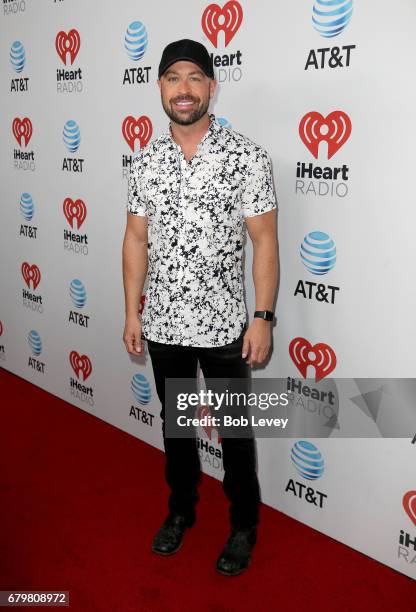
pixel 188 137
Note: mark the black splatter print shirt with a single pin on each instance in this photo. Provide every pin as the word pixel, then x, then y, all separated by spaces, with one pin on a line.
pixel 196 213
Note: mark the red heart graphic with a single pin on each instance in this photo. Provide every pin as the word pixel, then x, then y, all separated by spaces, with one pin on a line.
pixel 409 504
pixel 80 363
pixel 201 412
pixel 140 129
pixel 335 129
pixel 30 273
pixel 231 16
pixel 323 357
pixel 1 328
pixel 68 43
pixel 74 210
pixel 22 130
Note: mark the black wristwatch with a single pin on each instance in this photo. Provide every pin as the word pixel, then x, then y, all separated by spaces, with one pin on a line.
pixel 267 315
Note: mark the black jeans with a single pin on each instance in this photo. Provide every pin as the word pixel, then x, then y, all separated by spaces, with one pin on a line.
pixel 182 467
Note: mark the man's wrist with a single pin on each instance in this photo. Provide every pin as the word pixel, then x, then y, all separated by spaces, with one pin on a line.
pixel 264 315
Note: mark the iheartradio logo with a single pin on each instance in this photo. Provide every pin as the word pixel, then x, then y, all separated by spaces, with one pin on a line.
pixel 227 19
pixel 30 273
pixel 409 504
pixel 334 129
pixel 204 411
pixel 68 44
pixel 321 356
pixel 22 130
pixel 81 364
pixel 140 129
pixel 142 303
pixel 74 211
pixel 1 328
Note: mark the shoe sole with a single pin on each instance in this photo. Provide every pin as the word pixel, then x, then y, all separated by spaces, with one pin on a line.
pixel 167 554
pixel 236 573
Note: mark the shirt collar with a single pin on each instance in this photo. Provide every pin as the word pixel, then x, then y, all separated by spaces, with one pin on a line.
pixel 211 133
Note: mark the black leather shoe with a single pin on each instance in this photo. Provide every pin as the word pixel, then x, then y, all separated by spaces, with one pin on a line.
pixel 236 557
pixel 169 538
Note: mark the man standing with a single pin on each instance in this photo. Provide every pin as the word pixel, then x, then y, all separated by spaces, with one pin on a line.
pixel 190 193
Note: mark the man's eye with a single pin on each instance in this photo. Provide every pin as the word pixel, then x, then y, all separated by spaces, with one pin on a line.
pixel 170 79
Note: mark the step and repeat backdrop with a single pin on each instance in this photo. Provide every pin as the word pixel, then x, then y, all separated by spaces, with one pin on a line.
pixel 327 88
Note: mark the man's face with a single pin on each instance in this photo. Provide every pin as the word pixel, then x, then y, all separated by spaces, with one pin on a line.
pixel 186 92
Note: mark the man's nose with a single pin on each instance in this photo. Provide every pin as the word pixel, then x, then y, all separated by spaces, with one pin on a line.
pixel 184 87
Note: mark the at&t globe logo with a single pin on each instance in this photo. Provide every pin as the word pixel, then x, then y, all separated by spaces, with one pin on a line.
pixel 141 389
pixel 17 56
pixel 72 136
pixel 27 206
pixel 35 343
pixel 78 293
pixel 318 253
pixel 135 40
pixel 331 18
pixel 135 45
pixel 307 460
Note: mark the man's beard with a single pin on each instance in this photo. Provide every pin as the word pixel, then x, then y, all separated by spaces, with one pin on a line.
pixel 188 119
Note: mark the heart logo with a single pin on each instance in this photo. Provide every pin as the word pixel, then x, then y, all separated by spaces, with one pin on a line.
pixel 204 411
pixel 140 129
pixel 80 363
pixel 228 19
pixel 22 130
pixel 321 356
pixel 335 129
pixel 409 504
pixel 30 273
pixel 74 210
pixel 1 328
pixel 68 43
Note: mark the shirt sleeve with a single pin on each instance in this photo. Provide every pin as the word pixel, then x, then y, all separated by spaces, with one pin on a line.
pixel 258 194
pixel 136 201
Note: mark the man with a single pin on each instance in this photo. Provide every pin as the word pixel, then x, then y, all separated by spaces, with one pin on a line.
pixel 190 192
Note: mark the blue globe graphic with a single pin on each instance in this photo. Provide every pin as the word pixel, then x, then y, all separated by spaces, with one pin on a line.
pixel 307 460
pixel 318 252
pixel 141 389
pixel 72 136
pixel 224 122
pixel 78 293
pixel 17 56
pixel 331 17
pixel 27 207
pixel 34 342
pixel 135 41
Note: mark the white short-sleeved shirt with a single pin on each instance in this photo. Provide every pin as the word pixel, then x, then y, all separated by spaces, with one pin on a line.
pixel 195 212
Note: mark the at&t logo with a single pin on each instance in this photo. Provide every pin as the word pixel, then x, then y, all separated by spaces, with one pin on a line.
pixel 71 136
pixel 319 356
pixel 137 133
pixel 18 61
pixel 67 45
pixel 31 276
pixel 22 130
pixel 35 346
pixel 317 132
pixel 75 212
pixel 329 20
pixel 407 542
pixel 225 21
pixel 78 295
pixel 142 393
pixel 27 210
pixel 308 462
pixel 135 45
pixel 318 254
pixel 82 366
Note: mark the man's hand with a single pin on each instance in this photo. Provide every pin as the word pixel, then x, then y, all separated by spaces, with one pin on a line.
pixel 132 336
pixel 257 342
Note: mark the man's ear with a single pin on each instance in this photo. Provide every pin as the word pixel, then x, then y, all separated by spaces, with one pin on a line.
pixel 212 87
pixel 158 83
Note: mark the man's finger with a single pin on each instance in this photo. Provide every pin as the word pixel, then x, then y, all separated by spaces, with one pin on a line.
pixel 246 347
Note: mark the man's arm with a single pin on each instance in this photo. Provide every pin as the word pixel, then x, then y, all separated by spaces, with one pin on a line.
pixel 134 275
pixel 265 269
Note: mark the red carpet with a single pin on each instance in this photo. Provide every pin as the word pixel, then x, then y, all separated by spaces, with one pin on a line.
pixel 81 500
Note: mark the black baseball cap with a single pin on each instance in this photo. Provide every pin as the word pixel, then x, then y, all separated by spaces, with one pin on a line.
pixel 188 50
